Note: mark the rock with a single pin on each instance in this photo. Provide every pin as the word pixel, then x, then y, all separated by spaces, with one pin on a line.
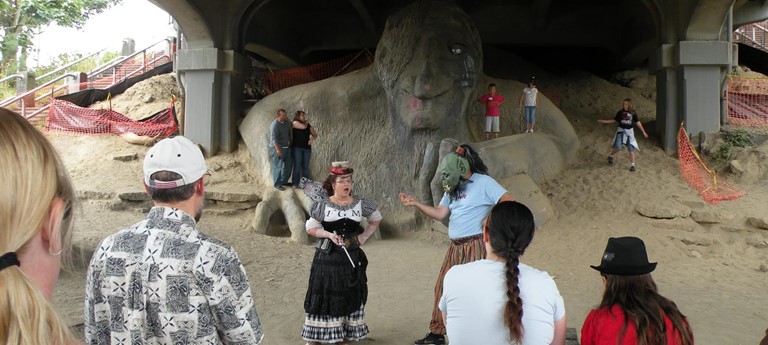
pixel 684 224
pixel 133 195
pixel 763 268
pixel 221 211
pixel 125 157
pixel 148 99
pixel 710 216
pixel 231 196
pixel 694 254
pixel 245 205
pixel 757 241
pixel 698 241
pixel 216 167
pixel 525 190
pixel 758 222
pixel 232 164
pixel 667 209
pixel 90 194
pixel 735 167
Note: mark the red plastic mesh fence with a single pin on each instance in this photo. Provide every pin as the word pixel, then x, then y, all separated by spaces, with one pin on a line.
pixel 747 101
pixel 278 80
pixel 64 116
pixel 699 176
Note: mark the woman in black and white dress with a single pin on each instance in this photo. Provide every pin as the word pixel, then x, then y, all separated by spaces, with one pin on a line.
pixel 338 289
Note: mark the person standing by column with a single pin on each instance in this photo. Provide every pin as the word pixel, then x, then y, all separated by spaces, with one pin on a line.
pixel 492 101
pixel 303 135
pixel 469 196
pixel 280 149
pixel 530 99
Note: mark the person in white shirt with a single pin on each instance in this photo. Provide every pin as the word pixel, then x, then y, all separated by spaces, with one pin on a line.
pixel 530 98
pixel 500 300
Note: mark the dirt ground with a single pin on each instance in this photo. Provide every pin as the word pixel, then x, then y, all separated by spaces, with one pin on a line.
pixel 715 272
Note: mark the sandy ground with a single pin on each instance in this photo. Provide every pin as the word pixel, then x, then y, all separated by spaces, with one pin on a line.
pixel 712 271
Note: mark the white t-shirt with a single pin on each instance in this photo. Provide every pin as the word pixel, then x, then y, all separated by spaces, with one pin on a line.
pixel 530 96
pixel 474 296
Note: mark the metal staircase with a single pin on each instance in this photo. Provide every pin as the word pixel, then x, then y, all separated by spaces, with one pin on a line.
pixel 753 35
pixel 33 103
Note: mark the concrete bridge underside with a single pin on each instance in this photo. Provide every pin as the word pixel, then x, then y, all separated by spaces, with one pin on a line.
pixel 684 42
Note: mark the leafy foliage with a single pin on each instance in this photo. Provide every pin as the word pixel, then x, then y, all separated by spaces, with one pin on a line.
pixel 734 138
pixel 20 21
pixel 739 138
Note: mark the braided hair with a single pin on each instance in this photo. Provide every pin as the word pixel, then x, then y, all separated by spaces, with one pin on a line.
pixel 510 231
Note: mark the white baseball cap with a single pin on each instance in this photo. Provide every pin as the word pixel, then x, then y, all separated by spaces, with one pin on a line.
pixel 177 154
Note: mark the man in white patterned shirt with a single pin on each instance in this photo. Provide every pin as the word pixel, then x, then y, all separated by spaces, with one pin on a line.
pixel 161 281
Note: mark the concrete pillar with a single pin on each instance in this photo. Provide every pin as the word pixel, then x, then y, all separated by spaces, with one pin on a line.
pixel 26 83
pixel 688 79
pixel 213 82
pixel 232 81
pixel 129 47
pixel 700 81
pixel 78 82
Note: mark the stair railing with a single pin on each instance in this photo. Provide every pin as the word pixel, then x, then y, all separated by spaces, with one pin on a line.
pixel 115 67
pixel 31 93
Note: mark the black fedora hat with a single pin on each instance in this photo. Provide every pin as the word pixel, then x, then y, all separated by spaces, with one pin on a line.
pixel 625 256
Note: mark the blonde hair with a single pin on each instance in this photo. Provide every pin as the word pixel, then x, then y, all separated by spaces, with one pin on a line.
pixel 32 175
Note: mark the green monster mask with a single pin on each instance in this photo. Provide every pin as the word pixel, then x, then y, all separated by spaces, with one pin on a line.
pixel 452 170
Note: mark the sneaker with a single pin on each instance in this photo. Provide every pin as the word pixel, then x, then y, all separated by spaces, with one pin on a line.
pixel 431 338
pixel 531 130
pixel 632 168
pixel 610 159
pixel 279 187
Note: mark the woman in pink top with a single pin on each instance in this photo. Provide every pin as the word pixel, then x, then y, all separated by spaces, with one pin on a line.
pixel 632 312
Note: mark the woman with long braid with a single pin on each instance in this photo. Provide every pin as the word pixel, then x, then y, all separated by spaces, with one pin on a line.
pixel 632 310
pixel 500 300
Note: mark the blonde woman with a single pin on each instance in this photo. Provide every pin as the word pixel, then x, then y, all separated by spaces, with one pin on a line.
pixel 35 218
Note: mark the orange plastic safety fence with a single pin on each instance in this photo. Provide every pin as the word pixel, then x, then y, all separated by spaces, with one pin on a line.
pixel 66 117
pixel 278 80
pixel 747 101
pixel 699 176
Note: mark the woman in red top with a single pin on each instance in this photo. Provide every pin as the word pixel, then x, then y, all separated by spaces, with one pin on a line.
pixel 632 311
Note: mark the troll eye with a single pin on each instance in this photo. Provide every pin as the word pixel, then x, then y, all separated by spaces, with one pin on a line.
pixel 456 48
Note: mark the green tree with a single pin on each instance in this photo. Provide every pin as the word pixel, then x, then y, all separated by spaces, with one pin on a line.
pixel 22 19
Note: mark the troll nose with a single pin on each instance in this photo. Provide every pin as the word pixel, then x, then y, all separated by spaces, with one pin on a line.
pixel 429 84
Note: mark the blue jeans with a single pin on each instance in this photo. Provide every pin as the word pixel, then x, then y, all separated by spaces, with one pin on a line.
pixel 281 166
pixel 530 115
pixel 300 164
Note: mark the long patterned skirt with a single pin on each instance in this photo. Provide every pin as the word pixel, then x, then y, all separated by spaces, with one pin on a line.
pixel 336 297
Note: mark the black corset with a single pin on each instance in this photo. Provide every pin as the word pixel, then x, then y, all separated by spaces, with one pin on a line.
pixel 343 227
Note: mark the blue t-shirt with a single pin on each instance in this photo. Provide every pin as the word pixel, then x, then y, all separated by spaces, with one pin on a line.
pixel 472 206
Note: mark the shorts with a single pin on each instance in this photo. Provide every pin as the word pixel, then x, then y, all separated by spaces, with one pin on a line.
pixel 530 115
pixel 619 140
pixel 492 124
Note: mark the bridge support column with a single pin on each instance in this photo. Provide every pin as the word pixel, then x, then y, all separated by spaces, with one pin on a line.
pixel 688 80
pixel 213 84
